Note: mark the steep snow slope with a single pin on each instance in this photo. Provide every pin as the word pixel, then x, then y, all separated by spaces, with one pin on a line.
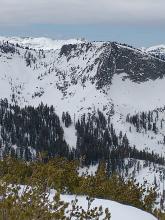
pixel 137 96
pixel 131 98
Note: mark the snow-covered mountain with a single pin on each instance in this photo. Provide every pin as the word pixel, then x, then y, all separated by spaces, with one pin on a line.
pixel 80 77
pixel 84 77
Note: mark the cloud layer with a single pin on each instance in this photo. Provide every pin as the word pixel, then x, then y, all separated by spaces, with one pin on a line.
pixel 15 12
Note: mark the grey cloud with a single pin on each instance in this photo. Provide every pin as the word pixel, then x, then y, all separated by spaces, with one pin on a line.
pixel 81 11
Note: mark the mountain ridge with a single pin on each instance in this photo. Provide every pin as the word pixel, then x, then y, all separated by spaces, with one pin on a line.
pixel 40 43
pixel 85 77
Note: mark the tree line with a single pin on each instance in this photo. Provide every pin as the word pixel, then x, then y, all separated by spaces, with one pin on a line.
pixel 32 132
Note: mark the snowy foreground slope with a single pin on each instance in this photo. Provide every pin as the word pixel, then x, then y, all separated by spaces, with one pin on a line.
pixel 117 210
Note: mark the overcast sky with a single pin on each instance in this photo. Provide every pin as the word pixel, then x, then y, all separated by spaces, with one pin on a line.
pixel 124 20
